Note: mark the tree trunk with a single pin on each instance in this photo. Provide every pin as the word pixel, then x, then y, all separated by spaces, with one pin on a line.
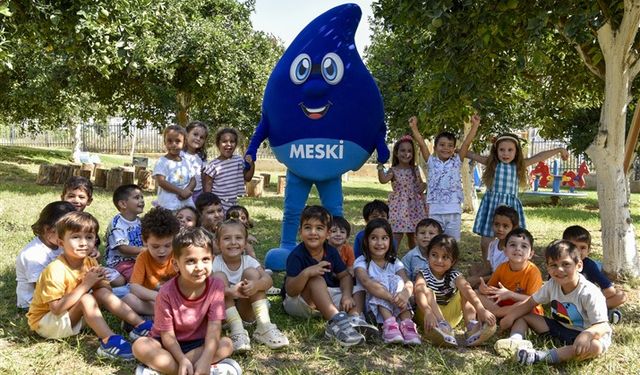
pixel 184 103
pixel 470 203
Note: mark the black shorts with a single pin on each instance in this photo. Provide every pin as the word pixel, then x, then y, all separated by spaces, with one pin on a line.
pixel 557 331
pixel 186 346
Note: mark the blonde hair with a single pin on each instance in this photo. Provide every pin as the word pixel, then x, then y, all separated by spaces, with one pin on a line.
pixel 492 161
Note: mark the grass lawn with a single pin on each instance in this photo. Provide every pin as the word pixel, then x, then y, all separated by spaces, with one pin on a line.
pixel 24 352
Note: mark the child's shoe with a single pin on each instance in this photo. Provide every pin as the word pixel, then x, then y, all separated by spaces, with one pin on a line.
pixel 272 337
pixel 369 331
pixel 527 356
pixel 144 370
pixel 241 341
pixel 116 348
pixel 508 347
pixel 410 332
pixel 141 330
pixel 391 332
pixel 441 335
pixel 339 327
pixel 226 367
pixel 615 316
pixel 479 333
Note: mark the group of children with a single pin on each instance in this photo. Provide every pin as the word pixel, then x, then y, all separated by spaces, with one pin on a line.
pixel 187 269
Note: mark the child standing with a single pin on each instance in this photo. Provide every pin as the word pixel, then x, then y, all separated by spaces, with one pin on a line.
pixel 578 313
pixel 73 286
pixel 406 201
pixel 505 173
pixel 581 238
pixel 444 193
pixel 417 258
pixel 78 191
pixel 41 251
pixel 153 266
pixel 173 173
pixel 444 298
pixel 246 284
pixel 195 152
pixel 376 209
pixel 338 237
pixel 387 285
pixel 189 312
pixel 225 176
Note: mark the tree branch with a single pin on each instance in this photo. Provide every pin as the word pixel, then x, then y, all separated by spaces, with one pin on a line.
pixel 634 66
pixel 598 70
pixel 629 25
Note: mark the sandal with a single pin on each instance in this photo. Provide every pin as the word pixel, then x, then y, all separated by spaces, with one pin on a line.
pixel 273 291
pixel 271 337
pixel 480 333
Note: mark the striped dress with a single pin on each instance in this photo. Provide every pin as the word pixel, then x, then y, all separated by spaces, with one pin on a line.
pixel 228 179
pixel 503 192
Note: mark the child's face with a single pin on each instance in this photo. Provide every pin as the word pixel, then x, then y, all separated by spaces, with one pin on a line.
pixel 186 218
pixel 241 216
pixel 564 270
pixel 502 225
pixel 194 264
pixel 338 236
pixel 78 198
pixel 425 234
pixel 227 145
pixel 583 247
pixel 77 245
pixel 196 138
pixel 378 215
pixel 445 148
pixel 134 204
pixel 440 261
pixel 211 216
pixel 405 153
pixel 379 241
pixel 231 241
pixel 174 142
pixel 159 247
pixel 506 151
pixel 313 233
pixel 518 250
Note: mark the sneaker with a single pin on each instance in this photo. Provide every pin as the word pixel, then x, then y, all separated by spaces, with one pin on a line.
pixel 144 370
pixel 339 327
pixel 409 332
pixel 241 342
pixel 272 337
pixel 508 347
pixel 615 316
pixel 116 348
pixel 391 332
pixel 369 331
pixel 479 333
pixel 141 330
pixel 226 367
pixel 526 356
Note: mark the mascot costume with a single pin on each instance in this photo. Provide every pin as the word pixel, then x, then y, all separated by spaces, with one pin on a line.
pixel 323 115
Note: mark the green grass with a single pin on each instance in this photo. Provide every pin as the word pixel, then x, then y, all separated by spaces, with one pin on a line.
pixel 24 352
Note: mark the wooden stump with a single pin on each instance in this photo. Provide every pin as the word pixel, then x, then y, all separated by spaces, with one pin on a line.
pixel 145 179
pixel 74 170
pixel 45 175
pixel 87 167
pixel 128 175
pixel 58 174
pixel 255 187
pixel 138 169
pixel 266 177
pixel 101 177
pixel 86 174
pixel 114 178
pixel 282 183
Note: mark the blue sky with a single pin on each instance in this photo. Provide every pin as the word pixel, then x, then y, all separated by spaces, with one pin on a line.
pixel 286 18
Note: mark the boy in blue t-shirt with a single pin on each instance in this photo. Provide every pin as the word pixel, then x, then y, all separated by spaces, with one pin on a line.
pixel 581 238
pixel 376 209
pixel 317 281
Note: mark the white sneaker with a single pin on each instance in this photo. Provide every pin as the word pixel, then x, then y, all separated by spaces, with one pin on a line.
pixel 241 342
pixel 226 367
pixel 144 370
pixel 509 347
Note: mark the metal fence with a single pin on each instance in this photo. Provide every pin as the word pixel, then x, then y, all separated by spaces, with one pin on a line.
pixel 538 144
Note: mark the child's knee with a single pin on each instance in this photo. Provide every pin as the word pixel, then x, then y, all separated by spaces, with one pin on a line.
pixel 316 282
pixel 251 274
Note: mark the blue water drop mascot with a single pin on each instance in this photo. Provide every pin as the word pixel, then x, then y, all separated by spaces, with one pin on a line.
pixel 323 115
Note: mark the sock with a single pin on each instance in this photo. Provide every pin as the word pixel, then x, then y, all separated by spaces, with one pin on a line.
pixel 261 312
pixel 516 336
pixel 234 320
pixel 550 357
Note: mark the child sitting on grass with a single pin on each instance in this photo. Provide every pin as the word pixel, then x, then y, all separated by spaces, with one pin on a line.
pixel 73 287
pixel 445 298
pixel 241 214
pixel 189 312
pixel 188 217
pixel 375 209
pixel 78 191
pixel 209 208
pixel 338 237
pixel 578 313
pixel 581 238
pixel 417 258
pixel 154 265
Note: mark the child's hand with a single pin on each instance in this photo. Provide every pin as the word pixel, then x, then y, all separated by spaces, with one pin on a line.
pixel 413 123
pixel 483 288
pixel 237 291
pixel 347 303
pixel 564 154
pixel 248 287
pixel 248 159
pixel 401 299
pixel 500 294
pixel 202 367
pixel 185 367
pixel 184 194
pixel 582 344
pixel 92 276
pixel 430 321
pixel 485 316
pixel 506 322
pixel 319 269
pixel 475 120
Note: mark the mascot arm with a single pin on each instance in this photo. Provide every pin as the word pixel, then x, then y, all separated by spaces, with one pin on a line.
pixel 261 133
pixel 381 147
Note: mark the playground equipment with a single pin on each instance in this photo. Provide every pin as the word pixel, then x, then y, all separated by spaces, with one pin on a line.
pixel 542 177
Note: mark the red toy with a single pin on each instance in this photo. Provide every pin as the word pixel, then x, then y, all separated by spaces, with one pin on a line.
pixel 541 170
pixel 570 178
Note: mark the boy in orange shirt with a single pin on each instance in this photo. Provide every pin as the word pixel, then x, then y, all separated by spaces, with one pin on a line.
pixel 153 266
pixel 515 280
pixel 338 237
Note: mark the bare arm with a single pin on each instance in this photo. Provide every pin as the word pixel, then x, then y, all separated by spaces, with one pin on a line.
pixel 248 173
pixel 170 343
pixel 142 292
pixel 296 284
pixel 207 183
pixel 544 155
pixel 477 158
pixel 384 177
pixel 211 339
pixel 468 294
pixel 130 250
pixel 475 122
pixel 425 150
pixel 92 277
pixel 166 185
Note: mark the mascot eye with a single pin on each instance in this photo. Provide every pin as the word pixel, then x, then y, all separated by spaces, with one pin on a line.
pixel 300 68
pixel 332 68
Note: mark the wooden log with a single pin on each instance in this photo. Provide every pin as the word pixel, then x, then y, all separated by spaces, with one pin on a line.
pixel 58 174
pixel 86 174
pixel 87 167
pixel 266 177
pixel 45 174
pixel 114 178
pixel 145 179
pixel 282 183
pixel 74 170
pixel 255 187
pixel 138 169
pixel 128 177
pixel 101 177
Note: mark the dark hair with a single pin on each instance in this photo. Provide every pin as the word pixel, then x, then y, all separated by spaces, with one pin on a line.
pixel 123 192
pixel 234 213
pixel 316 212
pixel 223 131
pixel 374 205
pixel 520 232
pixel 175 128
pixel 396 147
pixel 195 212
pixel 228 223
pixel 429 223
pixel 578 234
pixel 77 222
pixel 508 212
pixel 448 135
pixel 78 182
pixel 206 200
pixel 446 242
pixel 492 161
pixel 191 237
pixel 342 223
pixel 50 214
pixel 372 225
pixel 202 151
pixel 558 248
pixel 159 222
